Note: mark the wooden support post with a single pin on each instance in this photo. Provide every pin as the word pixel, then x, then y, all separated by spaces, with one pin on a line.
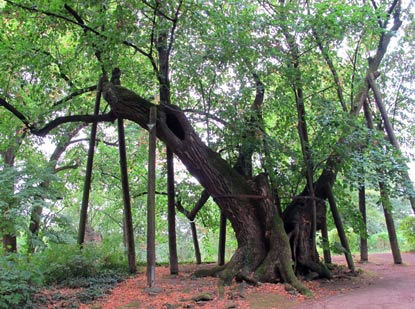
pixel 151 200
pixel 83 216
pixel 222 239
pixel 364 257
pixel 340 229
pixel 126 198
pixel 171 214
pixel 390 224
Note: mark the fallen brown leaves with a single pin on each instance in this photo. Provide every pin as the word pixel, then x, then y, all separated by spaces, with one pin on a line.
pixel 180 291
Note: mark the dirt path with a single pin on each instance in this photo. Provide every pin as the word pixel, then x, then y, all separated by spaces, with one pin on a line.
pixel 382 285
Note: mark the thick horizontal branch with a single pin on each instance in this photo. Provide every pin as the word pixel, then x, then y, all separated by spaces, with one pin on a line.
pixel 76 118
pixel 45 130
pixel 15 112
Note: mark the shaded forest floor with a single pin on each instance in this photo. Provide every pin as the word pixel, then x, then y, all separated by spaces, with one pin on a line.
pixel 378 284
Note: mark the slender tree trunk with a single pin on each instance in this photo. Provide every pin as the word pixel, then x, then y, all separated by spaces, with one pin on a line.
pixel 392 138
pixel 297 86
pixel 390 224
pixel 305 146
pixel 9 157
pixel 151 199
pixel 196 243
pixel 191 215
pixel 34 227
pixel 124 236
pixel 128 228
pixel 222 239
pixel 83 218
pixel 363 232
pixel 126 198
pixel 326 244
pixel 340 229
pixel 171 214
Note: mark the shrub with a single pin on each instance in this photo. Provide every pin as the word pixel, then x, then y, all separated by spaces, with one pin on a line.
pixel 335 244
pixel 18 281
pixel 113 258
pixel 61 262
pixel 379 242
pixel 407 229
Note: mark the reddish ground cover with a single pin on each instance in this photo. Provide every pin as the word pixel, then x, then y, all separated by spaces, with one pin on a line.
pixel 183 291
pixel 379 284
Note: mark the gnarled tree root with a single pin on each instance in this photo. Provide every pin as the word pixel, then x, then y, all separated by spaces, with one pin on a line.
pixel 270 270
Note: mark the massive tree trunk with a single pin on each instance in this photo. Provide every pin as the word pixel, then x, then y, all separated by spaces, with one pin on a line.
pixel 263 247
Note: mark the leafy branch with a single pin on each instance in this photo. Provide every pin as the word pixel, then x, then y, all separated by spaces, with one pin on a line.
pixel 79 22
pixel 56 122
